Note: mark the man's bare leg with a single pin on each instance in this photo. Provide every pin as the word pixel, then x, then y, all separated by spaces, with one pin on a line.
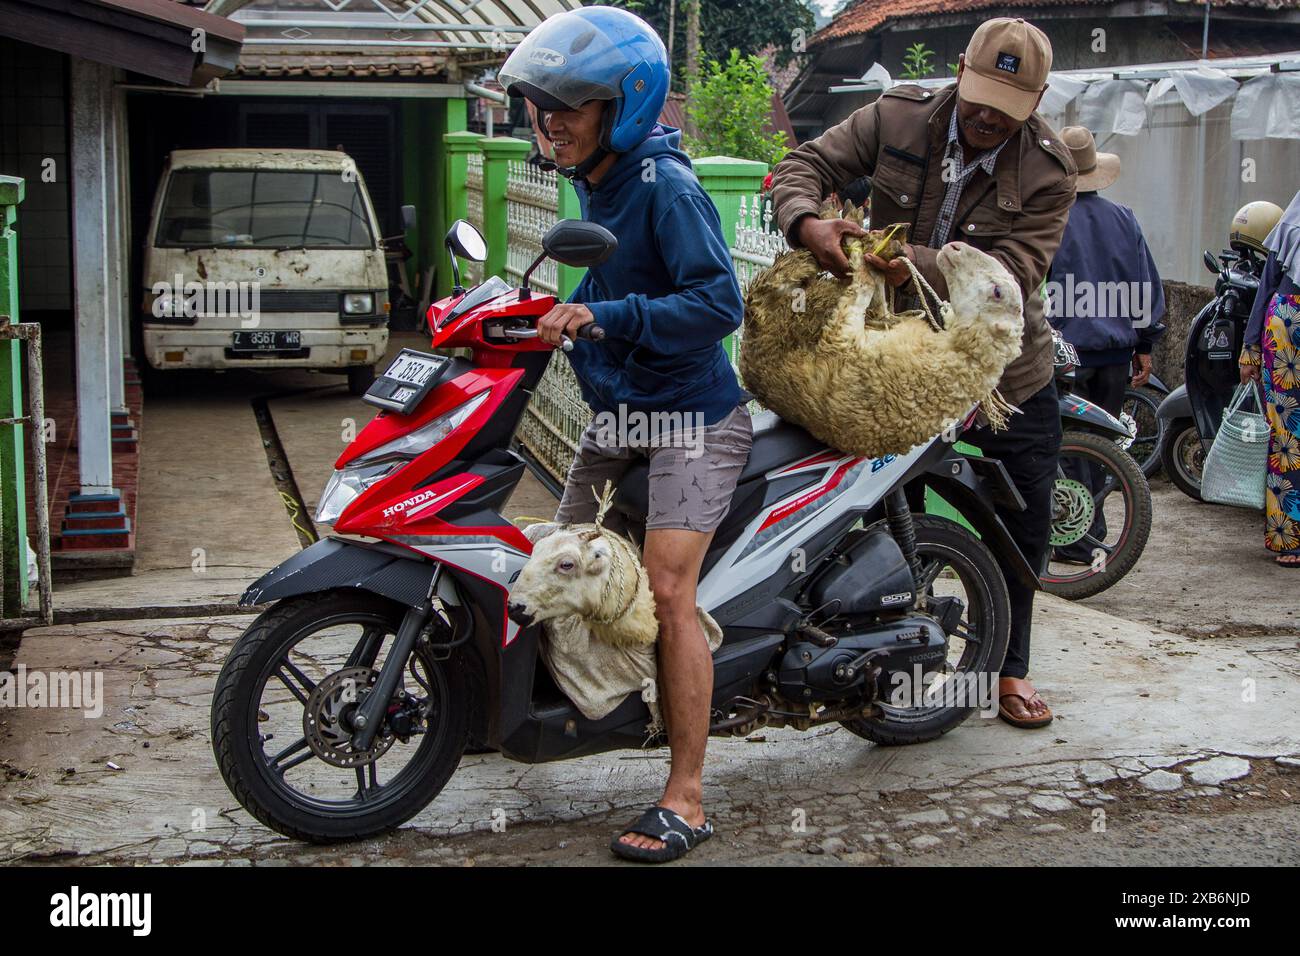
pixel 685 685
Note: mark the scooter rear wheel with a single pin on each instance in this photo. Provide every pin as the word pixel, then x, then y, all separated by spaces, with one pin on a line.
pixel 281 711
pixel 1075 506
pixel 954 562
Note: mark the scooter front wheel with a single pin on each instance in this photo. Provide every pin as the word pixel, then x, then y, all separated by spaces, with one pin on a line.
pixel 1183 456
pixel 282 711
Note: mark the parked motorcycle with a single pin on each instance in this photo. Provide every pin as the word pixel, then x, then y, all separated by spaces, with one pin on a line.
pixel 1101 503
pixel 1192 411
pixel 834 597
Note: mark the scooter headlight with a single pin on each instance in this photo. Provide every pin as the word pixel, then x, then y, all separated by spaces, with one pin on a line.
pixel 347 483
pixel 351 480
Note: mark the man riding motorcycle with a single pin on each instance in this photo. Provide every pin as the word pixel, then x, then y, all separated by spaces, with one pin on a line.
pixel 666 299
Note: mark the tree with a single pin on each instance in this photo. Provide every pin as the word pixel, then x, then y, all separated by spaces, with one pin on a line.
pixel 729 109
pixel 692 54
pixel 724 25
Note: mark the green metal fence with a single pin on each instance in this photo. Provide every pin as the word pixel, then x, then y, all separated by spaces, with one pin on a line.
pixel 18 341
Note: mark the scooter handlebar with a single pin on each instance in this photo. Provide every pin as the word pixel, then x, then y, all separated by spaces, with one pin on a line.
pixel 591 332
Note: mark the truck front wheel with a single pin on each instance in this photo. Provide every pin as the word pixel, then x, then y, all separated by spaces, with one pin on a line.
pixel 360 378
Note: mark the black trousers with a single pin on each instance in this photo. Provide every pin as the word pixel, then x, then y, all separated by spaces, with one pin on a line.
pixel 1028 449
pixel 1102 385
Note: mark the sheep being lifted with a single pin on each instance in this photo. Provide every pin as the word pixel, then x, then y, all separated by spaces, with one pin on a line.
pixel 834 358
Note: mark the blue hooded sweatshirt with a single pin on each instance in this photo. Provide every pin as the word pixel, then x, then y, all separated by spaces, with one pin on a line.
pixel 667 298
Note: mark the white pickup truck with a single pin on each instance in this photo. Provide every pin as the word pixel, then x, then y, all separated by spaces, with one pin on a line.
pixel 261 258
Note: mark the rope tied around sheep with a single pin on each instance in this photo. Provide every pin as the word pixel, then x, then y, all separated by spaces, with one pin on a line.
pixel 615 581
pixel 996 409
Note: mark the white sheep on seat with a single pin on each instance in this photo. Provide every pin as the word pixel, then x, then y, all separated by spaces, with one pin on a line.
pixel 588 572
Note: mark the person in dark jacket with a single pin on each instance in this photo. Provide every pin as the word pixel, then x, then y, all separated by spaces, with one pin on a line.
pixel 660 382
pixel 1105 298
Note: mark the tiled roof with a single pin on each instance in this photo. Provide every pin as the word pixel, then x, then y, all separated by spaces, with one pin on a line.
pixel 868 15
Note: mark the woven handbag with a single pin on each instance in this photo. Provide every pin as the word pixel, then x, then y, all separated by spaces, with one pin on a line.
pixel 1237 462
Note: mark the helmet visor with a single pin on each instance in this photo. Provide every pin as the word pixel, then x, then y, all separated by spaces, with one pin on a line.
pixel 563 63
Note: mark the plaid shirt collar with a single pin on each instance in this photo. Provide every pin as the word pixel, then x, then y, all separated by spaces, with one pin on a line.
pixel 984 160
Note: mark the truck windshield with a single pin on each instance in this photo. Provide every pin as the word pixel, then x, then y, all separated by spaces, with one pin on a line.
pixel 255 208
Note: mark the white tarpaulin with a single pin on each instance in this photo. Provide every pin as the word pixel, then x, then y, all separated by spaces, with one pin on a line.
pixel 1268 107
pixel 1114 106
pixel 1201 89
pixel 1061 91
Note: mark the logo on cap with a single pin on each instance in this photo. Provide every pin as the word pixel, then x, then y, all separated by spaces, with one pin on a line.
pixel 1008 63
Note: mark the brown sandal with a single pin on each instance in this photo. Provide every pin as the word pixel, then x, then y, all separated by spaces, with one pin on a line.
pixel 1019 687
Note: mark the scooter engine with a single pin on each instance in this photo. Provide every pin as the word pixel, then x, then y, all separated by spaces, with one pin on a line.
pixel 861 664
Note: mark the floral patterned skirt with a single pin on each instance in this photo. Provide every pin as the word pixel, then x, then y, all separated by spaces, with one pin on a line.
pixel 1280 374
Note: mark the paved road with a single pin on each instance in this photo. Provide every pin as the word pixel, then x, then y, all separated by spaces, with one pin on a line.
pixel 1175 692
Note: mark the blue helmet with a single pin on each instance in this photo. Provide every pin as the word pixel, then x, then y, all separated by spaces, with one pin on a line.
pixel 594 53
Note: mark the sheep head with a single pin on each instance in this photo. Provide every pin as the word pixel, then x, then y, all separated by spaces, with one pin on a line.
pixel 565 576
pixel 982 290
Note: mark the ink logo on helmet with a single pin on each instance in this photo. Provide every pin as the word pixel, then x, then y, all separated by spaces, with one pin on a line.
pixel 544 57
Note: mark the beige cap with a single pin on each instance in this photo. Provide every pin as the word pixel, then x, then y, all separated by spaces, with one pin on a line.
pixel 1006 66
pixel 1096 170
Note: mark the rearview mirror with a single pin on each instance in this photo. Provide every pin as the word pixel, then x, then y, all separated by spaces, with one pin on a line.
pixel 1211 263
pixel 466 241
pixel 574 242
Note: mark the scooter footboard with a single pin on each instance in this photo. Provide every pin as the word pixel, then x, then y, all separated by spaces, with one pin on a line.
pixel 339 563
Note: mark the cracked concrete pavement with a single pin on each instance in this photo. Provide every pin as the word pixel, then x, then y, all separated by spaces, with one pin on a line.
pixel 1150 726
pixel 1177 694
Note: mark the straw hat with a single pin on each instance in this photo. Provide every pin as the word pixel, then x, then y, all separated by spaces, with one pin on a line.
pixel 1096 170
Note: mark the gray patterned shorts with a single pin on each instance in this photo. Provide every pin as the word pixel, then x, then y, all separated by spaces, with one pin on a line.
pixel 693 473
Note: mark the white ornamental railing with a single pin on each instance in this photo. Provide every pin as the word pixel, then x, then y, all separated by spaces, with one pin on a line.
pixel 757 244
pixel 532 207
pixel 474 210
pixel 557 415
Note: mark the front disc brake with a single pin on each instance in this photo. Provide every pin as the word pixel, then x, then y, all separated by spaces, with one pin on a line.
pixel 327 719
pixel 1073 511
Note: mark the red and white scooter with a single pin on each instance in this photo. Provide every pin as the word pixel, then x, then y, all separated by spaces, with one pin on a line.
pixel 345 707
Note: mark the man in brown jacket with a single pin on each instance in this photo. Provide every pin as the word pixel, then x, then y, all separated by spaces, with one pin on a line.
pixel 972 162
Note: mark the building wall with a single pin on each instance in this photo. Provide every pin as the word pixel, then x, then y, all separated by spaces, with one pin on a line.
pixel 34 145
pixel 1127 40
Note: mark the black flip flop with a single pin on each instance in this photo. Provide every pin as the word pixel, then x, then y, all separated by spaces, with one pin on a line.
pixel 660 823
pixel 1286 564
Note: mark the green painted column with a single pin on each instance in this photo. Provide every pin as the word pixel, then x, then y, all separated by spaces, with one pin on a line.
pixel 727 180
pixel 417 187
pixel 458 146
pixel 498 153
pixel 567 277
pixel 13 490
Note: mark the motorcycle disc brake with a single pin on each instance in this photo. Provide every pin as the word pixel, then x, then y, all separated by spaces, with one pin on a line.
pixel 326 720
pixel 1073 510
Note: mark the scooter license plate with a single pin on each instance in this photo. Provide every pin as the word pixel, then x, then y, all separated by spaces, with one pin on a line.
pixel 263 340
pixel 405 383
